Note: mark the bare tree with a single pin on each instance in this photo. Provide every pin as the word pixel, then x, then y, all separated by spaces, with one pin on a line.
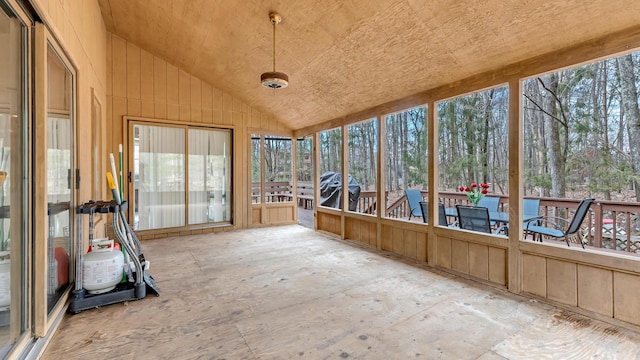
pixel 629 94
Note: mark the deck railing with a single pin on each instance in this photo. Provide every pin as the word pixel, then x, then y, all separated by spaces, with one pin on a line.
pixel 609 224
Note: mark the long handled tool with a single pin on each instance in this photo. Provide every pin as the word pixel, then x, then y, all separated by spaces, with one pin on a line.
pixel 129 239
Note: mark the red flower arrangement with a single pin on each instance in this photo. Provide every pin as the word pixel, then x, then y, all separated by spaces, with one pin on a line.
pixel 475 192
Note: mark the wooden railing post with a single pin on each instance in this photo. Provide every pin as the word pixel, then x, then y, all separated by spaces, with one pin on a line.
pixel 597 224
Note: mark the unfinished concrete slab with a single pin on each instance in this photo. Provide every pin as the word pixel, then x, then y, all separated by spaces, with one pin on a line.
pixel 289 292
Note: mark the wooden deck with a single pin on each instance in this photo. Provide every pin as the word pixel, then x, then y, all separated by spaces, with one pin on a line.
pixel 289 292
pixel 305 217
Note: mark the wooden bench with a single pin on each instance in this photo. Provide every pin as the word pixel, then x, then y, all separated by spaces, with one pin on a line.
pixel 280 191
pixel 305 194
pixel 274 191
pixel 255 192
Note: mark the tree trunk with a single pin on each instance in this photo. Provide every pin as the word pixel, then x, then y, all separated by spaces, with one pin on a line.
pixel 536 153
pixel 470 142
pixel 405 151
pixel 606 151
pixel 540 145
pixel 487 108
pixel 396 149
pixel 452 151
pixel 629 96
pixel 554 145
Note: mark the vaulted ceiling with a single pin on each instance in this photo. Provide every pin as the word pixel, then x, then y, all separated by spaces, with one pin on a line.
pixel 343 57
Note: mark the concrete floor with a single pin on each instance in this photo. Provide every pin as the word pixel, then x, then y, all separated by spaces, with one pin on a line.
pixel 291 293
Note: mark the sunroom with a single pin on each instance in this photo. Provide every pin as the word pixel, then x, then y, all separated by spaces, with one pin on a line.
pixel 418 109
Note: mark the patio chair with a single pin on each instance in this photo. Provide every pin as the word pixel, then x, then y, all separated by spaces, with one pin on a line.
pixel 492 203
pixel 413 198
pixel 557 227
pixel 442 216
pixel 475 219
pixel 531 207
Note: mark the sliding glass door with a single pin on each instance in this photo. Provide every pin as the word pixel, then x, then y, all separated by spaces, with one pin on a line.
pixel 158 177
pixel 180 173
pixel 14 155
pixel 60 179
pixel 209 176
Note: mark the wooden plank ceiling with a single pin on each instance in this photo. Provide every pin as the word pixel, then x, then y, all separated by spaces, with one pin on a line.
pixel 347 56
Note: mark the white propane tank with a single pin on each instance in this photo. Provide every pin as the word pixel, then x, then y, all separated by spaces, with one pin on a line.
pixel 5 279
pixel 102 268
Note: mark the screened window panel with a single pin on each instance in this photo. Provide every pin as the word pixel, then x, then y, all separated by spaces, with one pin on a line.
pixel 277 169
pixel 405 160
pixel 331 168
pixel 255 169
pixel 304 158
pixel 363 164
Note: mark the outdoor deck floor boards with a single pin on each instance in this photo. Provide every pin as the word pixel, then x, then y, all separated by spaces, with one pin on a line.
pixel 289 292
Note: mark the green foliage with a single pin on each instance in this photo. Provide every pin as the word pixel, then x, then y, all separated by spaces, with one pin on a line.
pixel 277 159
pixel 406 149
pixel 304 162
pixel 596 143
pixel 542 181
pixel 608 177
pixel 473 138
pixel 330 150
pixel 455 170
pixel 255 158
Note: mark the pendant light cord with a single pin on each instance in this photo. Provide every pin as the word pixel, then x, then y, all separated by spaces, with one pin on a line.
pixel 274 46
pixel 274 79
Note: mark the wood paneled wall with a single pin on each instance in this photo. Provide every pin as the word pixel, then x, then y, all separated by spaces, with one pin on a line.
pixel 606 286
pixel 362 230
pixel 140 84
pixel 409 240
pixel 278 213
pixel 473 255
pixel 330 222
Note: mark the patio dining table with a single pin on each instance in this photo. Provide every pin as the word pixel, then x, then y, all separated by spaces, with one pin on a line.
pixel 497 216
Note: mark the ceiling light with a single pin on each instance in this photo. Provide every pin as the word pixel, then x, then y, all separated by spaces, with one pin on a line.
pixel 274 79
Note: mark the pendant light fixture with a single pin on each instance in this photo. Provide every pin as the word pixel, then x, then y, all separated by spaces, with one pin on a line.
pixel 274 79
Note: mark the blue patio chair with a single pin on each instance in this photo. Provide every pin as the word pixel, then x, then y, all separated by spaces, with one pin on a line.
pixel 442 216
pixel 560 228
pixel 531 207
pixel 490 202
pixel 413 198
pixel 475 219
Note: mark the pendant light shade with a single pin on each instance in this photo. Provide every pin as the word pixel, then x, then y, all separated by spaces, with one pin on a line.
pixel 274 79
